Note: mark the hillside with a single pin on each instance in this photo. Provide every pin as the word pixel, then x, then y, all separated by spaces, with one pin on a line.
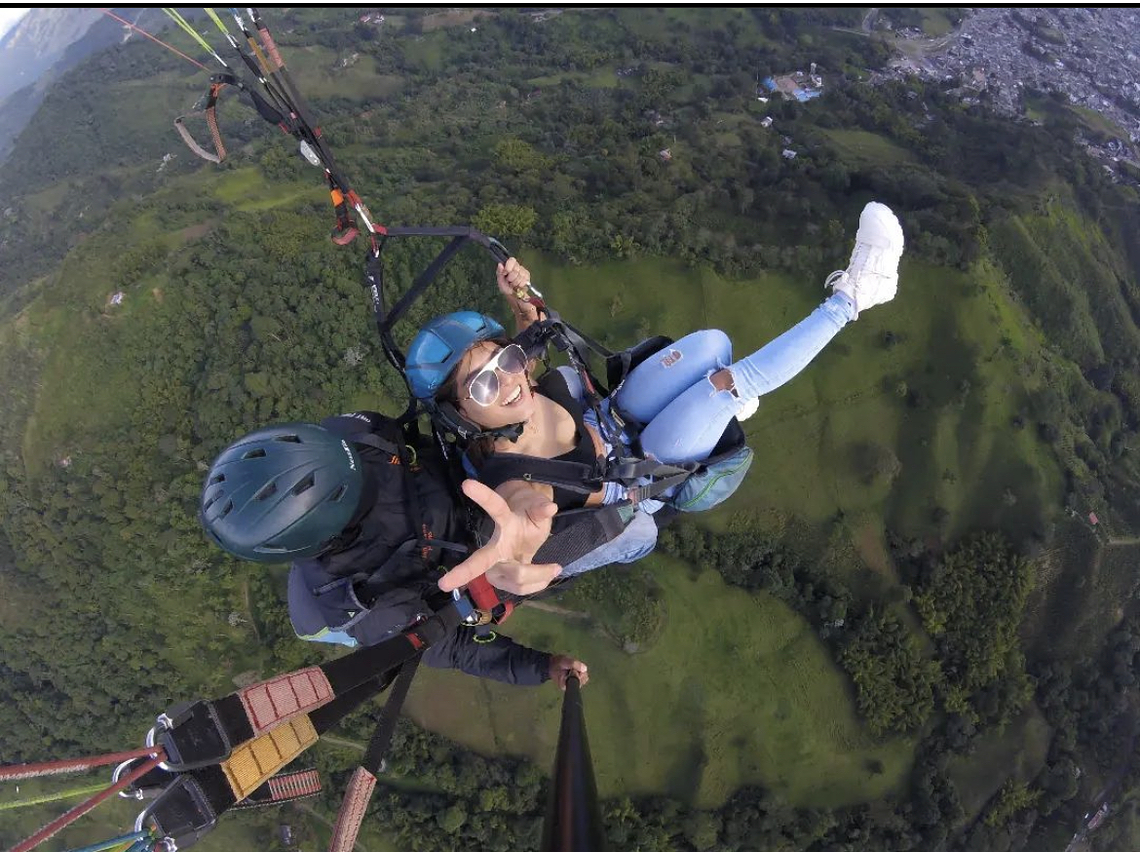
pixel 901 633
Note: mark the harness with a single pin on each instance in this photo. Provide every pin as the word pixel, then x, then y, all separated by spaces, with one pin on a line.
pixel 643 477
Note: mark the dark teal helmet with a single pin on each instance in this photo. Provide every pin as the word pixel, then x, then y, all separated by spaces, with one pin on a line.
pixel 282 492
pixel 438 347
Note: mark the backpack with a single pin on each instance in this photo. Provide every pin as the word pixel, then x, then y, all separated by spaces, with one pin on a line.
pixel 385 574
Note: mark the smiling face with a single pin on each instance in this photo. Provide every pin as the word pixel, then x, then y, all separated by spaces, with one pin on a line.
pixel 515 401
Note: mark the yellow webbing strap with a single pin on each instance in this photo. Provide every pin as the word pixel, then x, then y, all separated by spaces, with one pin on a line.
pixel 255 762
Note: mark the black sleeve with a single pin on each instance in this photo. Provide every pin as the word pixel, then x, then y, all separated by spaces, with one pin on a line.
pixel 499 659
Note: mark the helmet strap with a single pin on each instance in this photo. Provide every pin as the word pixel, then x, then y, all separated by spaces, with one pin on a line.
pixel 447 416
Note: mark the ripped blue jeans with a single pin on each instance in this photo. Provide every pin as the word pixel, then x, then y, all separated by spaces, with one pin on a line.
pixel 685 415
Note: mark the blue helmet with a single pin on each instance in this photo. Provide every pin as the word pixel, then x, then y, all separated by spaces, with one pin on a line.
pixel 438 347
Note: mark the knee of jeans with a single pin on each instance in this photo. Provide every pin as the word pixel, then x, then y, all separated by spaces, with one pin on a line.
pixel 718 346
pixel 639 551
pixel 714 391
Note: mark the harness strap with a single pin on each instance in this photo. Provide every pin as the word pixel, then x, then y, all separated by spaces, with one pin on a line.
pixel 218 82
pixel 565 474
pixel 359 792
pixel 283 787
pixel 582 478
pixel 57 825
pixel 593 526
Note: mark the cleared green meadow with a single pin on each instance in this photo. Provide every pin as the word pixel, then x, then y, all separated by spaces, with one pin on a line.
pixel 737 691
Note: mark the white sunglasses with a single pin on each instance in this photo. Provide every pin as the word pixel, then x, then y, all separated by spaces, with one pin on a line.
pixel 484 388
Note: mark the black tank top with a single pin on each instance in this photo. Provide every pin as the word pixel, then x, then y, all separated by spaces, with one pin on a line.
pixel 552 385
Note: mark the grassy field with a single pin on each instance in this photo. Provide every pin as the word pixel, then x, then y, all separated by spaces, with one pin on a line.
pixel 935 23
pixel 738 691
pixel 1017 752
pixel 742 690
pixel 790 724
pixel 1086 589
pixel 330 73
pixel 864 148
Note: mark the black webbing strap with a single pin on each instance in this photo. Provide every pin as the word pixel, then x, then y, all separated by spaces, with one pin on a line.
pixel 426 278
pixel 583 478
pixel 359 792
pixel 460 236
pixel 386 727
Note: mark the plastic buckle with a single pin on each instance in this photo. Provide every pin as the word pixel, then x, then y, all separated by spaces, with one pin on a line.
pixel 191 735
pixel 309 154
pixel 468 614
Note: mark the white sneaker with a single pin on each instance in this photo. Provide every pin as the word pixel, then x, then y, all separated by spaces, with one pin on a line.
pixel 872 276
pixel 748 410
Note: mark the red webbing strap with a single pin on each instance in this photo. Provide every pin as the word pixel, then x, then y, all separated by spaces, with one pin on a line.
pixel 359 793
pixel 270 45
pixel 352 810
pixel 487 599
pixel 278 699
pixel 54 827
pixel 295 785
pixel 211 122
pixel 60 767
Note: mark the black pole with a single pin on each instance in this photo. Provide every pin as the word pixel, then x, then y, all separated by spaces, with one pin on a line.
pixel 573 818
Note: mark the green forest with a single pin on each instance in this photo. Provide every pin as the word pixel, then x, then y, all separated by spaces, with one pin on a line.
pixel 903 633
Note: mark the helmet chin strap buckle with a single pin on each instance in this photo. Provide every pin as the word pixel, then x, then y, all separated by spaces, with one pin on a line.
pixel 446 416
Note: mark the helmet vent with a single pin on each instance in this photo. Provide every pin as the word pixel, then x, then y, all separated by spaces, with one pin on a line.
pixel 288 437
pixel 335 497
pixel 267 491
pixel 218 479
pixel 229 507
pixel 257 452
pixel 304 484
